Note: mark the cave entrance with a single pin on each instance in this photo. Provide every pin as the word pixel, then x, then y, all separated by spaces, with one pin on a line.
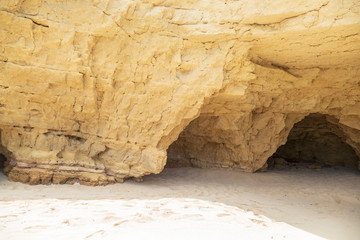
pixel 3 158
pixel 315 142
pixel 2 161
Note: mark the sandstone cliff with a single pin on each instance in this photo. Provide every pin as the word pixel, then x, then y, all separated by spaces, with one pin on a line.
pixel 97 91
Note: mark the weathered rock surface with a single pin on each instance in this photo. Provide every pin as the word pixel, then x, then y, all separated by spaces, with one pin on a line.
pixel 97 91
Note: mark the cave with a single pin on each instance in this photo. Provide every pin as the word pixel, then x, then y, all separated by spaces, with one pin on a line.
pixel 262 141
pixel 316 141
pixel 3 153
pixel 2 161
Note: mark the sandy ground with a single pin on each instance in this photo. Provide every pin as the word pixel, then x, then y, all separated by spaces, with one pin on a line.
pixel 188 203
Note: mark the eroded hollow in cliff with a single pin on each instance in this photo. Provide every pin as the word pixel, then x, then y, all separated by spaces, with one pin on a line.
pixel 316 142
pixel 3 158
pixel 2 161
pixel 221 142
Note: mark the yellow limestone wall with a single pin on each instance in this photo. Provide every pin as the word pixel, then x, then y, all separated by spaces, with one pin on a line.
pixel 96 91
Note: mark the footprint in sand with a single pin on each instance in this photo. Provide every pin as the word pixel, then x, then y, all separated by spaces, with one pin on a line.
pixel 257 221
pixel 119 223
pixel 95 234
pixel 128 205
pixel 167 213
pixel 143 219
pixel 108 219
pixel 223 215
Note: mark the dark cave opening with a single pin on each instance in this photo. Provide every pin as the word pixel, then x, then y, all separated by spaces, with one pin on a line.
pixel 316 142
pixel 2 163
pixel 3 157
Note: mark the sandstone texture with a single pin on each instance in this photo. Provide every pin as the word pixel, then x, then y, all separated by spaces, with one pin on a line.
pixel 100 91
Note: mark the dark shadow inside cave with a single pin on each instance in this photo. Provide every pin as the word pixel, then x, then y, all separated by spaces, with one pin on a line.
pixel 316 142
pixel 2 161
pixel 3 158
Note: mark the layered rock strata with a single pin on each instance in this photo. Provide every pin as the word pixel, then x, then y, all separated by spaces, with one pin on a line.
pixel 97 91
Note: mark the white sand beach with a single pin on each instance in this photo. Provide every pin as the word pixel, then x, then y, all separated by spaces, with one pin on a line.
pixel 189 203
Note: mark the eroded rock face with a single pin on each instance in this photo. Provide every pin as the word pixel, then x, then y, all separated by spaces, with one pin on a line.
pixel 97 91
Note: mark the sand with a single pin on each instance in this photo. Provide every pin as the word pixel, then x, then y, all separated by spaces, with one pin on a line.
pixel 189 203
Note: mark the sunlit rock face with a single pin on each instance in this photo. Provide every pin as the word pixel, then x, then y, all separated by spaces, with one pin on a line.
pixel 97 91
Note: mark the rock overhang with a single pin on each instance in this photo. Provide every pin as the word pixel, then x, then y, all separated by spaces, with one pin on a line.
pixel 99 99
